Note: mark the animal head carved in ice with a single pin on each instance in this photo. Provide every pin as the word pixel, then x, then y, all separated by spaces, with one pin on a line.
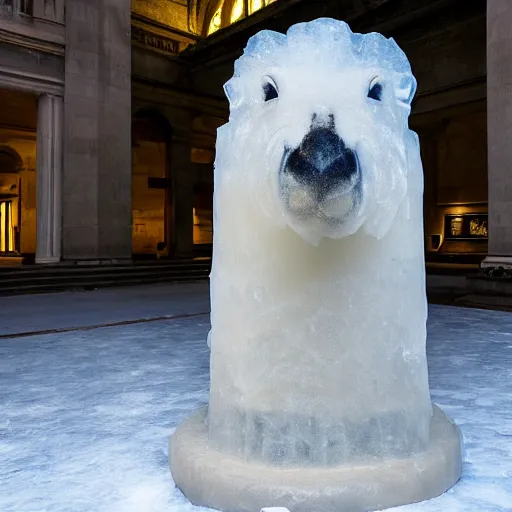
pixel 320 117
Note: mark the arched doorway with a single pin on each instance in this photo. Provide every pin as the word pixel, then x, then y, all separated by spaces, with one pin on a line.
pixel 151 186
pixel 10 201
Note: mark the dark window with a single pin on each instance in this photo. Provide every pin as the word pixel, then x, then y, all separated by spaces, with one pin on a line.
pixel 5 8
pixel 27 7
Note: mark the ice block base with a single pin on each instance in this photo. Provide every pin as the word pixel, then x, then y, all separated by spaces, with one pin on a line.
pixel 210 478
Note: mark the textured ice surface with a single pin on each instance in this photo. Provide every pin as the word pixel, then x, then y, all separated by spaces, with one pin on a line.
pixel 85 416
pixel 321 76
pixel 318 286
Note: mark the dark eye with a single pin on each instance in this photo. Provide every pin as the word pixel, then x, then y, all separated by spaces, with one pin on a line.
pixel 269 89
pixel 375 90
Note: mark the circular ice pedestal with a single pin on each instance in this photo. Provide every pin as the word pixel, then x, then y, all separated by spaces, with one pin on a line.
pixel 225 482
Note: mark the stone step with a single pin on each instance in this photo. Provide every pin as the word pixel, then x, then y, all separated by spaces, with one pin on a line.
pixel 91 285
pixel 77 271
pixel 61 278
pixel 97 266
pixel 84 276
pixel 495 302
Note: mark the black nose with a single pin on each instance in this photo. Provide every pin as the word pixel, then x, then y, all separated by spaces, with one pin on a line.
pixel 322 161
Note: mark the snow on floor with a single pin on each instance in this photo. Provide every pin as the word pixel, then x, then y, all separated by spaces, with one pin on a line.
pixel 85 416
pixel 107 305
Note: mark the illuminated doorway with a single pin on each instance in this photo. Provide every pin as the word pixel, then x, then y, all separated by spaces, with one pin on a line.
pixel 10 164
pixel 151 185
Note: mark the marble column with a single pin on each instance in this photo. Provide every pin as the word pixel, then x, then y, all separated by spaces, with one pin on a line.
pixel 97 176
pixel 48 175
pixel 499 130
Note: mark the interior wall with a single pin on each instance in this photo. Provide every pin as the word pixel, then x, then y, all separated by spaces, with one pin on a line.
pixel 204 131
pixel 454 154
pixel 448 58
pixel 203 205
pixel 150 198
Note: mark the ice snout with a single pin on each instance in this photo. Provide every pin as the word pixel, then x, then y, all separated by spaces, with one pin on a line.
pixel 305 202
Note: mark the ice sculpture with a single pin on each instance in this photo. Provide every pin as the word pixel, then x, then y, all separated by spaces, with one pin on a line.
pixel 319 394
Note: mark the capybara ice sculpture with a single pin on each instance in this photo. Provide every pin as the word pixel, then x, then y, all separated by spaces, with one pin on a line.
pixel 319 397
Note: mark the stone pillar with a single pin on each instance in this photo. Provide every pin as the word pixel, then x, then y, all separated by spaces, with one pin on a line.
pixel 499 130
pixel 48 175
pixel 97 212
pixel 183 179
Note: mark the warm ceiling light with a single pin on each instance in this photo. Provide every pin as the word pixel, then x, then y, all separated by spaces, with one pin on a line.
pixel 238 10
pixel 215 22
pixel 255 5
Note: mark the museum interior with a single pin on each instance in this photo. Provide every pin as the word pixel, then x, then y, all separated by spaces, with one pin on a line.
pixel 109 112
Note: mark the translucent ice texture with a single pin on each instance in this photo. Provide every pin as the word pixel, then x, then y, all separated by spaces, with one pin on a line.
pixel 321 71
pixel 317 286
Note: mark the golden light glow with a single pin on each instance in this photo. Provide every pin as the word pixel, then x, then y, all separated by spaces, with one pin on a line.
pixel 6 228
pixel 477 228
pixel 459 210
pixel 10 238
pixel 255 5
pixel 456 226
pixel 2 227
pixel 237 11
pixel 216 20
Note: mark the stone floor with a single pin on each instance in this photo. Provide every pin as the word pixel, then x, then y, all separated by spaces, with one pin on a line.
pixel 85 412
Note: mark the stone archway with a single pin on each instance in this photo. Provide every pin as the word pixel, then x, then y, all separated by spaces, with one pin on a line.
pixel 151 185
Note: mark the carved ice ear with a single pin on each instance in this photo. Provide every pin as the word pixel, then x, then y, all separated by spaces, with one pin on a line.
pixel 228 91
pixel 233 92
pixel 406 90
pixel 265 47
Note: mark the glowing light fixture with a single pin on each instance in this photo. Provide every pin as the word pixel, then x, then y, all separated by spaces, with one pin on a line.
pixel 255 5
pixel 216 20
pixel 237 11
